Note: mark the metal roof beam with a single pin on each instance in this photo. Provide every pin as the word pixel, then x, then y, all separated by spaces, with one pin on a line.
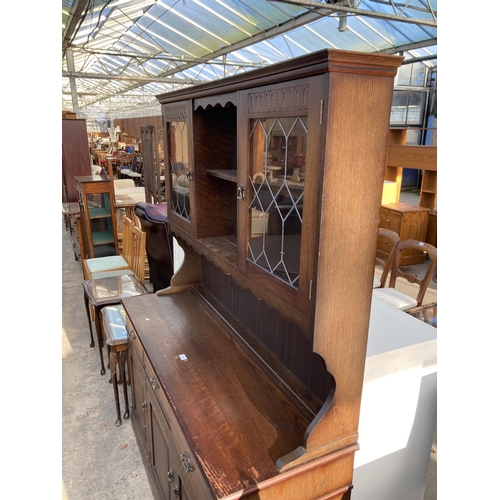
pixel 360 12
pixel 142 79
pixel 159 57
pixel 73 19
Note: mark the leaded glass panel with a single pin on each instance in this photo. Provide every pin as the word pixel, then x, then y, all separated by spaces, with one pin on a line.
pixel 278 153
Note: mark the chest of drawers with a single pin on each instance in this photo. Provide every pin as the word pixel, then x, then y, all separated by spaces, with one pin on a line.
pixel 410 222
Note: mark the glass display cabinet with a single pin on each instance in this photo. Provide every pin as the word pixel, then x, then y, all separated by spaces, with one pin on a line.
pixel 257 348
pixel 97 209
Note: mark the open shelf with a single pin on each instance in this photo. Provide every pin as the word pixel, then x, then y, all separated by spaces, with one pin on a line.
pixel 228 175
pixel 96 213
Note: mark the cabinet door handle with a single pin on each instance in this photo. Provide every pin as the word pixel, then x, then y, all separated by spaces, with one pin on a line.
pixel 241 193
pixel 189 175
pixel 186 462
pixel 131 334
pixel 144 406
pixel 170 475
pixel 154 383
pixel 175 491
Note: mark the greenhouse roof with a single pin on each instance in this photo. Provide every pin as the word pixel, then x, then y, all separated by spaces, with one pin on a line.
pixel 118 55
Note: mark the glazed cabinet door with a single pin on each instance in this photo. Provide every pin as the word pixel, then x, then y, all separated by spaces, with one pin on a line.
pixel 179 168
pixel 280 156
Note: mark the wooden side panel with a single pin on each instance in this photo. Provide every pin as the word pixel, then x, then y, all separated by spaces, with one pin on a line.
pixel 358 123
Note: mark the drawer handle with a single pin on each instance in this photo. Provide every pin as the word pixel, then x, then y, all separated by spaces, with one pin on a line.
pixel 131 334
pixel 175 491
pixel 144 406
pixel 154 383
pixel 186 462
pixel 170 475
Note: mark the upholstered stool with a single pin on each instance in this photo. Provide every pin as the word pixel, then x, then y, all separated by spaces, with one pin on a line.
pixel 115 333
pixel 103 264
pixel 107 291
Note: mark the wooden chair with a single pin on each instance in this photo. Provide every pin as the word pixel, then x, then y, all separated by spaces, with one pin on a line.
pixel 397 298
pixel 389 240
pixel 134 247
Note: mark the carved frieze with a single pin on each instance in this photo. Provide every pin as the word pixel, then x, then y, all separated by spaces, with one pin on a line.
pixel 290 98
pixel 175 112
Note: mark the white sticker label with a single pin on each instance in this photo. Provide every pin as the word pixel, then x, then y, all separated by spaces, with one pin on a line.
pixel 182 357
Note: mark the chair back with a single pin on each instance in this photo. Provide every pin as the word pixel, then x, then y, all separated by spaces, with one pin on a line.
pixel 388 240
pixel 398 272
pixel 134 247
pixel 159 244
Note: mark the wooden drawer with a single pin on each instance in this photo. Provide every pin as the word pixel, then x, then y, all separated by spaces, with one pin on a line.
pixel 390 219
pixel 410 222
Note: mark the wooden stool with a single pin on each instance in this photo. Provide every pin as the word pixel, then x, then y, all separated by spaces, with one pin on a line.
pixel 113 322
pixel 108 291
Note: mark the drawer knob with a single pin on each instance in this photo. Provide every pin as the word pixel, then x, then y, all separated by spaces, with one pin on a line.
pixel 186 462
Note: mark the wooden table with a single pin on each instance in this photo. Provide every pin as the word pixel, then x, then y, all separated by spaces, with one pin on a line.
pixel 108 291
pixel 113 322
pixel 127 202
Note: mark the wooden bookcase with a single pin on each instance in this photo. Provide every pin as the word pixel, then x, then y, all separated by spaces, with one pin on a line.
pixel 75 156
pixel 247 371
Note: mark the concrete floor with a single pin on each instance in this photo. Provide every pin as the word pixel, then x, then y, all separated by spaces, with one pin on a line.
pixel 100 460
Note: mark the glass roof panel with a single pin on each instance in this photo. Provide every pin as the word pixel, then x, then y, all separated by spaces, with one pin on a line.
pixel 142 48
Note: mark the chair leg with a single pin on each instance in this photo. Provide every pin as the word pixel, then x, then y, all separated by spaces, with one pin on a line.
pixel 99 338
pixel 85 298
pixel 113 356
pixel 122 362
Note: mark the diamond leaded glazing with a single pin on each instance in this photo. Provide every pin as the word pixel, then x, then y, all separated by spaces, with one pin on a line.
pixel 277 178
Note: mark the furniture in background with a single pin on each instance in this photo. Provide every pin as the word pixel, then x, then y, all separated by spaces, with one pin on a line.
pixel 97 209
pixel 401 155
pixel 75 156
pixel 159 243
pixel 71 213
pixel 247 370
pixel 388 240
pixel 107 289
pixel 115 333
pixel 397 298
pixel 152 166
pixel 134 247
pixel 409 222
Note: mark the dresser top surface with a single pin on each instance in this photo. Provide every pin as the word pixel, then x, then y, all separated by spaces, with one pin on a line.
pixel 236 416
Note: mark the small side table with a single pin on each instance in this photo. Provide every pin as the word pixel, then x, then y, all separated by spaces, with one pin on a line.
pixel 108 291
pixel 113 322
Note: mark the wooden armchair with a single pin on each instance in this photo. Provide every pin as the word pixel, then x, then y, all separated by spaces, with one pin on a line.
pixel 390 241
pixel 395 297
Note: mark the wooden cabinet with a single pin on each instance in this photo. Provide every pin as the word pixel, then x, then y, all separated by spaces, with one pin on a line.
pixel 410 222
pixel 97 209
pixel 75 156
pixel 257 348
pixel 71 213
